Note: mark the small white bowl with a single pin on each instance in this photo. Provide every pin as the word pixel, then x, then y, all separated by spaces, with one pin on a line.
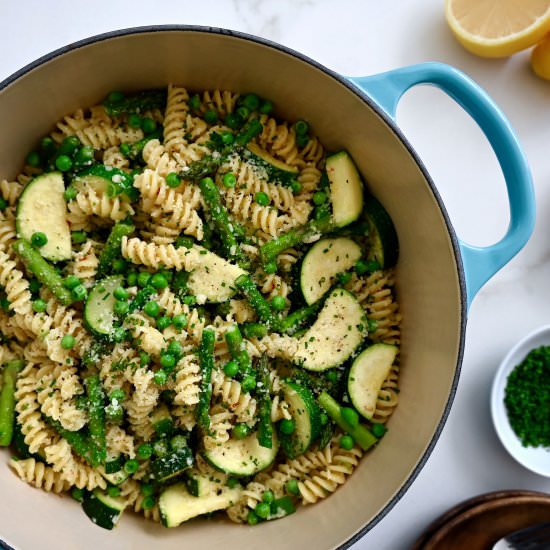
pixel 536 459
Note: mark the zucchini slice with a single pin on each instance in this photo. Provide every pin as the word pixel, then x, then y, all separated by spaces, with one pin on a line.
pixel 346 188
pixel 100 178
pixel 242 457
pixel 276 170
pixel 176 505
pixel 99 312
pixel 114 478
pixel 103 509
pixel 172 464
pixel 367 374
pixel 42 208
pixel 307 418
pixel 383 243
pixel 213 281
pixel 200 485
pixel 323 261
pixel 338 331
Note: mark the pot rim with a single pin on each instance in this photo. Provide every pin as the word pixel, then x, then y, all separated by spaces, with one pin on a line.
pixel 395 129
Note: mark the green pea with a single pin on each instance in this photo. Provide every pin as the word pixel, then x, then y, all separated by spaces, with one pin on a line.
pixel 84 156
pixel 144 359
pixel 295 186
pixel 117 395
pixel 120 265
pixel 262 198
pixel 319 197
pixel 39 306
pixel 147 489
pixel 39 239
pixel 211 116
pixel 252 518
pixel 47 144
pixel 301 127
pixel 175 348
pixel 152 309
pixel 115 97
pixel 248 383
pixel 262 510
pixel 148 125
pixel 227 138
pixel 79 237
pixel 121 308
pixel 229 180
pixel 167 360
pixel 131 466
pixel 233 121
pixel 378 430
pixel 33 159
pixel 180 321
pixel 268 497
pixel 350 416
pixel 148 502
pixel 71 282
pixel 251 102
pixel 63 163
pixel 143 278
pixel 79 292
pixel 68 341
pixel 113 491
pixel 195 102
pixel 287 426
pixel 125 149
pixel 69 145
pixel 134 121
pixel 131 278
pixel 278 303
pixel 347 442
pixel 240 431
pixel 173 180
pixel 144 451
pixel 270 267
pixel 231 368
pixel 243 112
pixel 160 377
pixel 178 442
pixel 120 293
pixel 158 281
pixel 163 322
pixel 266 107
pixel 292 487
pixel 77 494
pixel 70 193
pixel 160 447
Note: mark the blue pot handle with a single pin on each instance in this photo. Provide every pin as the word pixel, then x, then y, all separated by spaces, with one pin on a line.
pixel 480 263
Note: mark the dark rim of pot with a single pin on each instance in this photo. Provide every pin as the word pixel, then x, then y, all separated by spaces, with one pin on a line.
pixel 383 115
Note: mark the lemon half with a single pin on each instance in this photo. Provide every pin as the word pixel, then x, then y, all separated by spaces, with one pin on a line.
pixel 498 28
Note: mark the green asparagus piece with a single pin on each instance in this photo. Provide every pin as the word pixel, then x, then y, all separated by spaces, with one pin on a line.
pixel 246 285
pixel 206 360
pixel 360 434
pixel 118 104
pixel 270 250
pixel 254 330
pixel 42 270
pixel 96 424
pixel 251 129
pixel 265 428
pixel 77 440
pixel 199 169
pixel 297 319
pixel 7 401
pixel 221 220
pixel 234 340
pixel 112 247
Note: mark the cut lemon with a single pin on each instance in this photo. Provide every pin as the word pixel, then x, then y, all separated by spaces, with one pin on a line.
pixel 540 58
pixel 498 28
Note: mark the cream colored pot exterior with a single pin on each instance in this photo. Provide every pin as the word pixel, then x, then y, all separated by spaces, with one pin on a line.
pixel 429 279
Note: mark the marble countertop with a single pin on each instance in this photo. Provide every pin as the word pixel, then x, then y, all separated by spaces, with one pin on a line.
pixel 362 37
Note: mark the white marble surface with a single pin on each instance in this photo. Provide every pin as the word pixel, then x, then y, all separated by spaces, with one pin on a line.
pixel 359 37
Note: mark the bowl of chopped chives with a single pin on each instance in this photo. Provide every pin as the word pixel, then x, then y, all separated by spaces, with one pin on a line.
pixel 520 401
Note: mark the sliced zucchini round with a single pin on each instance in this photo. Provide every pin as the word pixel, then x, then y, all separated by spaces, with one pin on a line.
pixel 171 465
pixel 100 177
pixel 338 331
pixel 242 457
pixel 367 374
pixel 176 505
pixel 276 170
pixel 323 261
pixel 346 188
pixel 99 309
pixel 103 509
pixel 383 243
pixel 42 208
pixel 307 418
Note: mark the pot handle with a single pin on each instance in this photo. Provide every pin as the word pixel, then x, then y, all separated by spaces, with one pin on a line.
pixel 480 263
